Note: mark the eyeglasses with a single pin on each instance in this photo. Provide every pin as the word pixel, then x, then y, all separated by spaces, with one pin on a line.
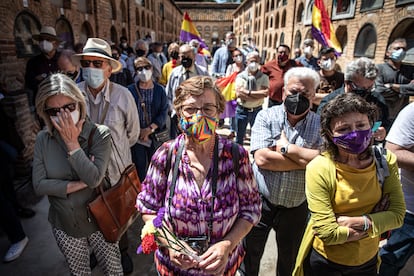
pixel 52 111
pixel 240 55
pixel 140 68
pixel 209 110
pixel 87 63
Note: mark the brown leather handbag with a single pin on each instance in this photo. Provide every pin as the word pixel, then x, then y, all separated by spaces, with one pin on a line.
pixel 114 209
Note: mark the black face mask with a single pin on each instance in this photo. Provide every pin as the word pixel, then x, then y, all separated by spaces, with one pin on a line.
pixel 174 55
pixel 115 56
pixel 296 104
pixel 140 53
pixel 361 92
pixel 186 62
pixel 72 75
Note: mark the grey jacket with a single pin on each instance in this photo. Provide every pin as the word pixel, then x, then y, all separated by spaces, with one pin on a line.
pixel 53 169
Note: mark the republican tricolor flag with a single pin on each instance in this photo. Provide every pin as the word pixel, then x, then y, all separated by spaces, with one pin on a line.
pixel 322 29
pixel 189 31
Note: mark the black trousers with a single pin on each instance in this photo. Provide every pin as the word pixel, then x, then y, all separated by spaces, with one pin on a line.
pixel 9 221
pixel 320 266
pixel 289 225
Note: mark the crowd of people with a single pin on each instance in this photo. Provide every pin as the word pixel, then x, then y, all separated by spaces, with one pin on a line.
pixel 322 172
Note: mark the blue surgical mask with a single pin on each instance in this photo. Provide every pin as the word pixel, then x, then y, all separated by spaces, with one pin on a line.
pixel 94 77
pixel 398 55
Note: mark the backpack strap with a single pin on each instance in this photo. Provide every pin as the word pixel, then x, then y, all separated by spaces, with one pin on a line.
pixel 381 164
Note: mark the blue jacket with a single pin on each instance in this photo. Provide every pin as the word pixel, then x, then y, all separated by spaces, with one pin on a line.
pixel 159 105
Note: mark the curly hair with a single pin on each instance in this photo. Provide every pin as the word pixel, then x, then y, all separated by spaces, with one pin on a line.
pixel 338 107
pixel 196 86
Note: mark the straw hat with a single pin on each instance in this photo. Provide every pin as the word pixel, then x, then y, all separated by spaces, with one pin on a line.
pixel 97 47
pixel 46 32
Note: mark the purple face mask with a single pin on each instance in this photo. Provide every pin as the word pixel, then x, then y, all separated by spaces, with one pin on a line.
pixel 354 142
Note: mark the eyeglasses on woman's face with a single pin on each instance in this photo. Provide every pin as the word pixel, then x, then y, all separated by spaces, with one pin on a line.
pixel 208 109
pixel 52 111
pixel 140 68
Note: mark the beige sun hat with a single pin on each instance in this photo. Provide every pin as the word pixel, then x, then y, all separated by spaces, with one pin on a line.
pixel 97 47
pixel 47 32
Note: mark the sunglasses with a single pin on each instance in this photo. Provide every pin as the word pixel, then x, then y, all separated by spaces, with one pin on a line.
pixel 146 67
pixel 87 63
pixel 53 111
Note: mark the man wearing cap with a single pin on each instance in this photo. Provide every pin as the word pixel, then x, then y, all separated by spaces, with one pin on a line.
pixel 308 60
pixel 40 66
pixel 110 104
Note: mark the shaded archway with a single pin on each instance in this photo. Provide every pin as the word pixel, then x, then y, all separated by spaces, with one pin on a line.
pixel 26 25
pixel 366 42
pixel 86 32
pixel 298 40
pixel 64 32
pixel 114 35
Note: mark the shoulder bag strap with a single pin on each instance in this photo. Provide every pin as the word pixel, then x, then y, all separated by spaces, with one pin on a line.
pixel 174 176
pixel 236 158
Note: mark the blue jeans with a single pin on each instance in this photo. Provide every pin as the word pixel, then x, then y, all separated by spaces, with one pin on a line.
pixel 245 116
pixel 399 248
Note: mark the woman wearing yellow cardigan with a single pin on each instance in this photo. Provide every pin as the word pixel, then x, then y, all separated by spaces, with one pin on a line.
pixel 349 206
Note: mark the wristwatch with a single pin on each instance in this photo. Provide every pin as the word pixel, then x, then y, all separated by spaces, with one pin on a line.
pixel 284 149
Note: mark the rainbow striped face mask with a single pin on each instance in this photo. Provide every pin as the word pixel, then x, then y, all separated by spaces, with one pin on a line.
pixel 199 126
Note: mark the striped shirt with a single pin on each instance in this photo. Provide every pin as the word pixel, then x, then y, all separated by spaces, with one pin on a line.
pixel 284 188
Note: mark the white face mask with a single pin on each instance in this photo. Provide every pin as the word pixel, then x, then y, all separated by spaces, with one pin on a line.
pixel 253 67
pixel 308 50
pixel 74 114
pixel 124 44
pixel 46 46
pixel 94 77
pixel 328 65
pixel 144 75
pixel 238 59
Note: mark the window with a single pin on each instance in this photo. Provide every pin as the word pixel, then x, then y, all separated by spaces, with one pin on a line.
pixel 308 12
pixel 366 42
pixel 86 32
pixel 123 12
pixel 283 23
pixel 85 6
pixel 369 5
pixel 282 38
pixel 301 13
pixel 298 39
pixel 343 9
pixel 114 35
pixel 64 32
pixel 113 9
pixel 402 2
pixel 26 25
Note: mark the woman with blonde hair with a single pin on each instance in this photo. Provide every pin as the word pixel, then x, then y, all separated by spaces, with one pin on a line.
pixel 71 157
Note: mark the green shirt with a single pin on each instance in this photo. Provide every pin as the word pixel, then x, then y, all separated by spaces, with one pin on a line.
pixel 53 169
